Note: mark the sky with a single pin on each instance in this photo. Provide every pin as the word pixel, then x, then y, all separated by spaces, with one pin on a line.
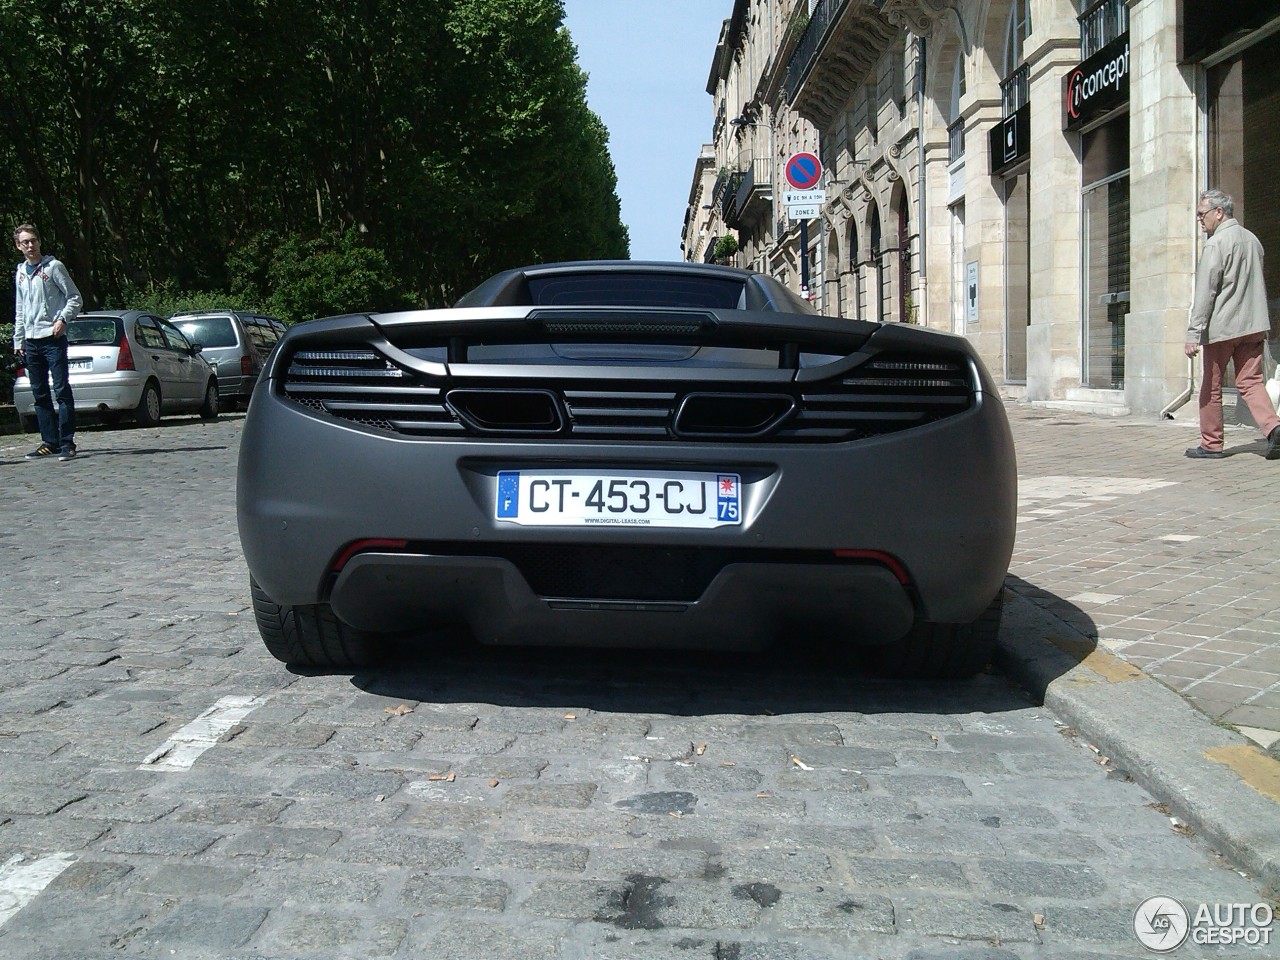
pixel 647 64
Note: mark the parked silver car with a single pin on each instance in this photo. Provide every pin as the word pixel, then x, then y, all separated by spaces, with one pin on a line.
pixel 236 344
pixel 128 361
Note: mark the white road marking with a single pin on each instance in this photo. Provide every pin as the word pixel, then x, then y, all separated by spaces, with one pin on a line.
pixel 1032 491
pixel 1094 598
pixel 181 750
pixel 22 879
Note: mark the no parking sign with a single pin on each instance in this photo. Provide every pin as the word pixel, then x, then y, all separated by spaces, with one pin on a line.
pixel 803 170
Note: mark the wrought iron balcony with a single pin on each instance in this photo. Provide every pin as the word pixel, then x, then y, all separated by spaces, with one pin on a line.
pixel 754 195
pixel 729 199
pixel 1103 22
pixel 839 48
pixel 955 142
pixel 1014 90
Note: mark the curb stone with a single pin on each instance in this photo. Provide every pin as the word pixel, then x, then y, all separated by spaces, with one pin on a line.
pixel 1150 732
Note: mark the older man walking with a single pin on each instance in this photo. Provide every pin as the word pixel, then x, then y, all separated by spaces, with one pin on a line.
pixel 1229 319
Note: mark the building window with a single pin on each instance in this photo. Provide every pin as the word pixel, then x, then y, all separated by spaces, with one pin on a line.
pixel 1016 34
pixel 958 272
pixel 1100 23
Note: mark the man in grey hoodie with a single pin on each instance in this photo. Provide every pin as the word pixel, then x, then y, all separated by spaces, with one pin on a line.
pixel 45 301
pixel 1229 318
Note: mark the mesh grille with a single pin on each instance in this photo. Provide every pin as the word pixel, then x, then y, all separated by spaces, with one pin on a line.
pixel 886 394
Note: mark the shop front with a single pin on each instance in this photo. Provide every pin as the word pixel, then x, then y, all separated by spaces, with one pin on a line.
pixel 1096 106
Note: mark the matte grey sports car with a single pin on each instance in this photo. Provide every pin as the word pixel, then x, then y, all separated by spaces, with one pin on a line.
pixel 628 454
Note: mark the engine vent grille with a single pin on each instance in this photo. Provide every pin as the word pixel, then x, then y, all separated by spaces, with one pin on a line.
pixel 886 394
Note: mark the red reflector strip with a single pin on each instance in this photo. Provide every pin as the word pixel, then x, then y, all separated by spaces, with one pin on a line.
pixel 358 546
pixel 893 563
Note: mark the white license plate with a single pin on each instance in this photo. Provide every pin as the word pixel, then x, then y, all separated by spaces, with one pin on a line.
pixel 650 499
pixel 79 365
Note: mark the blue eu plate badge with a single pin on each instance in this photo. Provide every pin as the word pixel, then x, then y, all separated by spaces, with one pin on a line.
pixel 508 495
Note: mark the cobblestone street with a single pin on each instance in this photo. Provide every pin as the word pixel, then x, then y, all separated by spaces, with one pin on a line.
pixel 169 790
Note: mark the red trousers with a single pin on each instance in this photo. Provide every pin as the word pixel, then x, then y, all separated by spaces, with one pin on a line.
pixel 1246 353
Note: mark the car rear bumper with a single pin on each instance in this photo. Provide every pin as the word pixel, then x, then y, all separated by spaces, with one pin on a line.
pixel 937 502
pixel 746 606
pixel 235 386
pixel 94 393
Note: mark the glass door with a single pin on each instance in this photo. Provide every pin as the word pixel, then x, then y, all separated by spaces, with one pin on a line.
pixel 1106 281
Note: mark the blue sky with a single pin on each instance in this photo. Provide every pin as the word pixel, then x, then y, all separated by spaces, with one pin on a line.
pixel 647 64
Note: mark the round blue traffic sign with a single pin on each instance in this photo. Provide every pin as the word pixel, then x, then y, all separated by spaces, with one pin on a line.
pixel 803 171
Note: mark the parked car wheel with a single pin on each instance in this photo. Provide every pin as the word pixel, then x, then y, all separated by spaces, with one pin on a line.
pixel 148 412
pixel 309 636
pixel 30 424
pixel 209 409
pixel 943 651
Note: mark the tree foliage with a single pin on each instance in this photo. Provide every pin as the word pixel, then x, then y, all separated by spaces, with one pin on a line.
pixel 343 156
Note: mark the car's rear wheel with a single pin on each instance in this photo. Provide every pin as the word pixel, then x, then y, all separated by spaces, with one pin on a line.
pixel 209 409
pixel 309 635
pixel 147 413
pixel 943 651
pixel 30 424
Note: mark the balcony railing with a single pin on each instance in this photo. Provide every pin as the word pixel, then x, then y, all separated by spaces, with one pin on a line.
pixel 755 186
pixel 1013 91
pixel 1103 22
pixel 824 11
pixel 955 141
pixel 729 199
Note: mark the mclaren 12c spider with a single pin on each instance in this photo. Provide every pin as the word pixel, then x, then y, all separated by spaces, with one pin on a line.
pixel 660 455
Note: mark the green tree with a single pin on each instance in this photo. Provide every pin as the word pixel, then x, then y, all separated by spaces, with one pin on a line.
pixel 163 145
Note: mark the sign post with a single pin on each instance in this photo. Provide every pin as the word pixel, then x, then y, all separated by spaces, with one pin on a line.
pixel 803 172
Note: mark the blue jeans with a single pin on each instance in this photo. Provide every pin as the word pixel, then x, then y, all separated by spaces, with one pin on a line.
pixel 46 359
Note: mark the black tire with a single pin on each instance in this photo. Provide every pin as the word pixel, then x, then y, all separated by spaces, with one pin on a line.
pixel 147 413
pixel 30 424
pixel 309 636
pixel 209 409
pixel 942 651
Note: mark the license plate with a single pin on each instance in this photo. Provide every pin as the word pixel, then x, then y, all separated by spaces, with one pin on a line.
pixel 574 498
pixel 79 364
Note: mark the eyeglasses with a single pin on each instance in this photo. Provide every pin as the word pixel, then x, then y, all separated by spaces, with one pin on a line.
pixel 1201 214
pixel 30 241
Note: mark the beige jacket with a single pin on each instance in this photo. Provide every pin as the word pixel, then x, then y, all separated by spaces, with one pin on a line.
pixel 1231 296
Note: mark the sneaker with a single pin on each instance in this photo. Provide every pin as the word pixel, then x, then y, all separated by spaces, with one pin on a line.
pixel 1200 453
pixel 1273 444
pixel 68 452
pixel 42 451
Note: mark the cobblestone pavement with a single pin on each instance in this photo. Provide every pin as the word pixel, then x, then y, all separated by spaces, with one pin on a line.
pixel 168 790
pixel 1172 564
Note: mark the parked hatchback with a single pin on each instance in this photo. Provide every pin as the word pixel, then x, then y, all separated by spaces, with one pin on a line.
pixel 128 361
pixel 235 343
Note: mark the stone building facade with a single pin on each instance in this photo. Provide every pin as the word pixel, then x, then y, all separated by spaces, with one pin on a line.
pixel 1020 172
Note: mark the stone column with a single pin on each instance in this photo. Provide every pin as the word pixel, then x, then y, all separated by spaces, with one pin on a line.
pixel 984 230
pixel 1053 339
pixel 1163 188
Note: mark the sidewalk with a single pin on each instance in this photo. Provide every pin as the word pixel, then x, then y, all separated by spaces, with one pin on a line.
pixel 1146 591
pixel 1172 564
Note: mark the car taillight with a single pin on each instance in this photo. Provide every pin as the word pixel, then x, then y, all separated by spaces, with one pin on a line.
pixel 20 372
pixel 246 366
pixel 124 359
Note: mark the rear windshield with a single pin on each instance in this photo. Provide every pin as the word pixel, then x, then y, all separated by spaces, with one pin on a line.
pixel 209 331
pixel 636 290
pixel 93 330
